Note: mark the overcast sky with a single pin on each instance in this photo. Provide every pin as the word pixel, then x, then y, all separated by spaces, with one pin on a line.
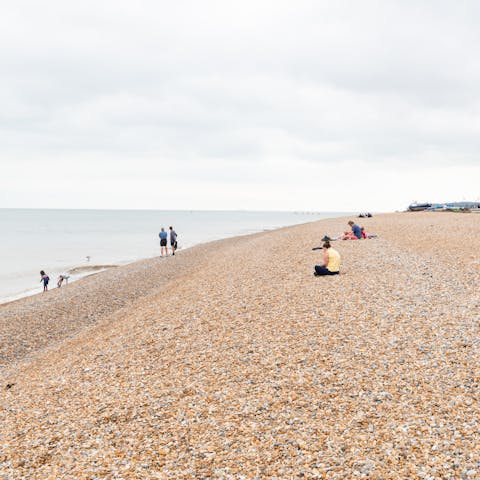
pixel 275 105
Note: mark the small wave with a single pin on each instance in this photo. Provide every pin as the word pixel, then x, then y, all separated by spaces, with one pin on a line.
pixel 89 268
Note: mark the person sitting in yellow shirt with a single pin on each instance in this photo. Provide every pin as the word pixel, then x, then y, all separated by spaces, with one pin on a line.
pixel 331 261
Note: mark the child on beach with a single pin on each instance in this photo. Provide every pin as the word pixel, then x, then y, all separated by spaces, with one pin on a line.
pixel 62 278
pixel 45 279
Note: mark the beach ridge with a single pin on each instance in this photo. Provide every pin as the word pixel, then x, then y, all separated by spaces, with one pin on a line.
pixel 237 362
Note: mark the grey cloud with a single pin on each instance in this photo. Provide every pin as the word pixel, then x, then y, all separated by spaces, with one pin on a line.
pixel 241 83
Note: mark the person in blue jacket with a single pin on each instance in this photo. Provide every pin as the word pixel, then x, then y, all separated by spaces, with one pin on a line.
pixel 163 242
pixel 356 230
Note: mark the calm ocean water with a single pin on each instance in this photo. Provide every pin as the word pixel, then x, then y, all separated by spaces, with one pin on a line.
pixel 59 241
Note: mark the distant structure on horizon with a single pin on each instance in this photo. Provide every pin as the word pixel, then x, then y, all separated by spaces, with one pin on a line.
pixel 418 207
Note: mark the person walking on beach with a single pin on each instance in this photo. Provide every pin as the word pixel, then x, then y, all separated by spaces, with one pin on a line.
pixel 163 242
pixel 331 262
pixel 45 279
pixel 173 240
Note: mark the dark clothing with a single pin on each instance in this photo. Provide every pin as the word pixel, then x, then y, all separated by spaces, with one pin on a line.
pixel 319 270
pixel 173 237
pixel 163 242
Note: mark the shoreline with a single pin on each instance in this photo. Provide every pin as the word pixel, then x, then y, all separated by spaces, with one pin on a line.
pixel 236 361
pixel 90 271
pixel 85 237
pixel 101 284
pixel 34 290
pixel 74 278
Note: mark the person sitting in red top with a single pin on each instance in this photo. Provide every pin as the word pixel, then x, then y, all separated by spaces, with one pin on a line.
pixel 364 233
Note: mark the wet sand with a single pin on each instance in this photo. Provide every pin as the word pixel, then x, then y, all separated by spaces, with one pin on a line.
pixel 231 360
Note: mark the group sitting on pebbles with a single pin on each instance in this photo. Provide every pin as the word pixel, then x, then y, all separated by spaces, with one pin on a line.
pixel 356 233
pixel 331 258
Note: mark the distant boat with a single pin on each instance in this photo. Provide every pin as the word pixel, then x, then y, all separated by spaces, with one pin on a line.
pixel 418 207
pixel 436 207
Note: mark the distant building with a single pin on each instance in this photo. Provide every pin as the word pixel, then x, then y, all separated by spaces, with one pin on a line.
pixel 417 207
pixel 457 205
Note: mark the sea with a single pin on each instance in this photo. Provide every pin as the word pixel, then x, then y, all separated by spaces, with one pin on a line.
pixel 81 242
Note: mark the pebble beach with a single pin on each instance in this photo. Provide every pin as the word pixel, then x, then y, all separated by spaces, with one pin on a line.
pixel 230 360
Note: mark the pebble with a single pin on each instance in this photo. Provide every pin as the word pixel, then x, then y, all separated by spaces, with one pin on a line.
pixel 231 360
